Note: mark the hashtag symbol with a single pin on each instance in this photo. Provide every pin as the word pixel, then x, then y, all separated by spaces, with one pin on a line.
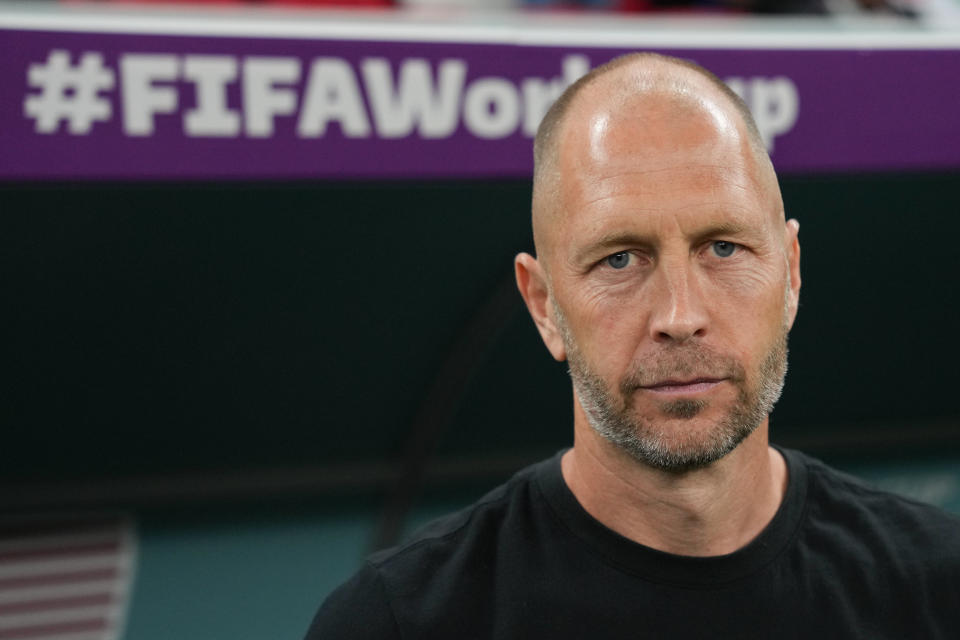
pixel 68 92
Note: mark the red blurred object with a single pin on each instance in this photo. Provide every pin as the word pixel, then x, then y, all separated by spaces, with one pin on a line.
pixel 300 3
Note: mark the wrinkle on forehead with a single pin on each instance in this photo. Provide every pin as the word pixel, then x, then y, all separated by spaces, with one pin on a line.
pixel 635 181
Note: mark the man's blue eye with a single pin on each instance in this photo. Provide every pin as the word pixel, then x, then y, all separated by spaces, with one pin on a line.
pixel 723 249
pixel 619 260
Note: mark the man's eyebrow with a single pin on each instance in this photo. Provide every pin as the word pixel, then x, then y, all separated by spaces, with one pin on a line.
pixel 610 241
pixel 725 228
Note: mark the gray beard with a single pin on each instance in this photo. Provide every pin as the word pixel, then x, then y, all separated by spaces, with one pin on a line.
pixel 612 415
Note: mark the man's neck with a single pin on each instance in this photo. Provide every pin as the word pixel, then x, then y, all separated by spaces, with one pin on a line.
pixel 707 512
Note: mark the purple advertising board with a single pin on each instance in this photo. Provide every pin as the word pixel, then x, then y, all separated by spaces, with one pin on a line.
pixel 156 104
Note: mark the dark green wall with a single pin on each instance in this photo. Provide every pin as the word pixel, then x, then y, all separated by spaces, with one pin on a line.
pixel 169 328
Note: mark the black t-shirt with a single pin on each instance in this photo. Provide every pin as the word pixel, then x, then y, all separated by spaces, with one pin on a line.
pixel 838 560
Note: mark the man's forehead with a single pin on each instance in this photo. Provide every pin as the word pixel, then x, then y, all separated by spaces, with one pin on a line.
pixel 655 216
pixel 654 148
pixel 683 178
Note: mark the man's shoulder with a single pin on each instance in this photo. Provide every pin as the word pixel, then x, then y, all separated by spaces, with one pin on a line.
pixel 877 516
pixel 475 529
pixel 449 564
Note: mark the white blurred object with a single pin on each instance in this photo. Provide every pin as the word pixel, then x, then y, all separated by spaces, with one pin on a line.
pixel 940 12
pixel 475 4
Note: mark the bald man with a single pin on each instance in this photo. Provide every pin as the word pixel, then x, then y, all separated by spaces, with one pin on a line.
pixel 668 278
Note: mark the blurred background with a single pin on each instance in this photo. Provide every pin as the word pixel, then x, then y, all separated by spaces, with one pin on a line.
pixel 255 260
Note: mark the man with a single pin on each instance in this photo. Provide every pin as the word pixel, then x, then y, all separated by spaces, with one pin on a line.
pixel 668 278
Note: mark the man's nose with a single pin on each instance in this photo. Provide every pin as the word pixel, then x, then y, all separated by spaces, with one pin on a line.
pixel 679 312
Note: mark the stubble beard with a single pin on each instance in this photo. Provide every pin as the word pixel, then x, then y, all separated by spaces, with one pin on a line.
pixel 614 417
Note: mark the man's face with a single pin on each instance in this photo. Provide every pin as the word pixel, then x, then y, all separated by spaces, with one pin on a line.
pixel 670 282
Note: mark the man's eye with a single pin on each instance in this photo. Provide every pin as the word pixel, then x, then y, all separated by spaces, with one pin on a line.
pixel 723 249
pixel 619 260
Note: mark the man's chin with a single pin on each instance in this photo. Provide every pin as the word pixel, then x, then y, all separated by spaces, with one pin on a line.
pixel 683 409
pixel 687 437
pixel 681 457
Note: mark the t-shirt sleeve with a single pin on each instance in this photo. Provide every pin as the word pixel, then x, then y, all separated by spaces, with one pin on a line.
pixel 357 609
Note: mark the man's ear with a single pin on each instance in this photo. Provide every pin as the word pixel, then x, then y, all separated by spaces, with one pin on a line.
pixel 793 264
pixel 531 280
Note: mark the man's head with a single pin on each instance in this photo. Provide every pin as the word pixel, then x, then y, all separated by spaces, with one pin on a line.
pixel 665 272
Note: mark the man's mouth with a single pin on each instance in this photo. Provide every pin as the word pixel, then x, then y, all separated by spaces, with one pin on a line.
pixel 683 387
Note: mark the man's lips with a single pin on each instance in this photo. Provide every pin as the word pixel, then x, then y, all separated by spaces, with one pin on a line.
pixel 683 387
